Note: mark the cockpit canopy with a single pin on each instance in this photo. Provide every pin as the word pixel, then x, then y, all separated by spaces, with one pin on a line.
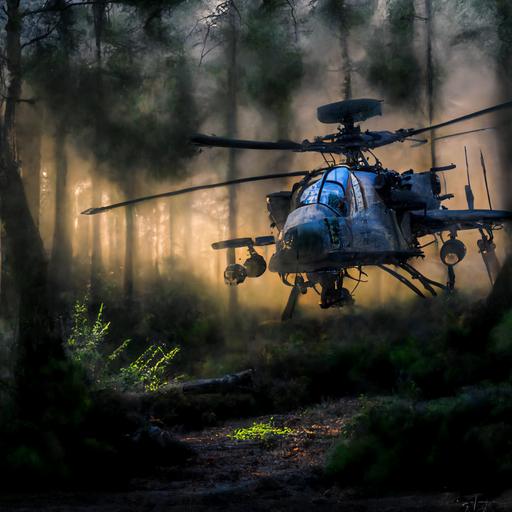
pixel 334 189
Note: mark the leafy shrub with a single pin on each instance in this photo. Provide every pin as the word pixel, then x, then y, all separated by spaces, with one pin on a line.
pixel 178 310
pixel 501 339
pixel 149 369
pixel 86 339
pixel 464 441
pixel 86 342
pixel 417 350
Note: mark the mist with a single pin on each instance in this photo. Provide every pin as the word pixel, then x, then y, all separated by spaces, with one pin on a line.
pixel 129 137
pixel 128 366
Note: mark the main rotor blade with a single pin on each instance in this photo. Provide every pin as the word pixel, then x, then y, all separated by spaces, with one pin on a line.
pixel 495 108
pixel 449 136
pixel 457 134
pixel 418 141
pixel 223 142
pixel 100 209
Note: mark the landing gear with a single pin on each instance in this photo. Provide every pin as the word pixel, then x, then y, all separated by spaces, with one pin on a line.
pixel 299 288
pixel 427 283
pixel 451 278
pixel 333 293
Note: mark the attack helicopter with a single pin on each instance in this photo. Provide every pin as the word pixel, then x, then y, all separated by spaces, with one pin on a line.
pixel 354 212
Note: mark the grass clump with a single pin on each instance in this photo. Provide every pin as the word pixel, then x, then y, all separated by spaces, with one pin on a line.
pixel 260 432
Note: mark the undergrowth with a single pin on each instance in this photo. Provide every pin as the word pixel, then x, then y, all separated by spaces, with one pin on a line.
pixel 449 422
pixel 260 432
pixel 86 346
pixel 462 442
pixel 426 354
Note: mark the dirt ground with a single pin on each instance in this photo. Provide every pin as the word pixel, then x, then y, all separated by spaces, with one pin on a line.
pixel 230 475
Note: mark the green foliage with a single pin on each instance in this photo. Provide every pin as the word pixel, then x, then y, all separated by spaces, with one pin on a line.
pixel 86 338
pixel 462 441
pixel 86 343
pixel 392 64
pixel 418 350
pixel 177 310
pixel 501 337
pixel 487 26
pixel 41 432
pixel 345 15
pixel 260 432
pixel 273 67
pixel 142 90
pixel 149 369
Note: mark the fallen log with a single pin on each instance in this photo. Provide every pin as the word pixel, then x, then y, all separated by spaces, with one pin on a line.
pixel 230 382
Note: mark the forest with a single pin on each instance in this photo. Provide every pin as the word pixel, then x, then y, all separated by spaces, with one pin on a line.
pixel 131 376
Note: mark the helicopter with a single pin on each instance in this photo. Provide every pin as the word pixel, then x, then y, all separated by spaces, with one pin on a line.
pixel 353 212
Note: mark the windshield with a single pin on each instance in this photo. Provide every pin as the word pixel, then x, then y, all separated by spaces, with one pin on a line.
pixel 331 191
pixel 310 195
pixel 333 195
pixel 340 175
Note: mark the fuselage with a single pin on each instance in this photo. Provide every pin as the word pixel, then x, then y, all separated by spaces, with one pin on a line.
pixel 339 220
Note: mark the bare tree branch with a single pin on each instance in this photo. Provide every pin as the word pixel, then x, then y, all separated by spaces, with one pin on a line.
pixel 56 8
pixel 204 44
pixel 294 19
pixel 237 10
pixel 39 37
pixel 203 55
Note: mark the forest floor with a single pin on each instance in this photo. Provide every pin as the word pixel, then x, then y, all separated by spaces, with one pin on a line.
pixel 284 474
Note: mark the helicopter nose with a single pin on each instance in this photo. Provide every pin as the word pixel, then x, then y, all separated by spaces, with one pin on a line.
pixel 308 238
pixel 305 242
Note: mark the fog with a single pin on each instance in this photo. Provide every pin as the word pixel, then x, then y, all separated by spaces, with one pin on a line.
pixel 175 235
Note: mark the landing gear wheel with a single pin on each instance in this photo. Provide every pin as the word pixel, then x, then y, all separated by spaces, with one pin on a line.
pixel 333 293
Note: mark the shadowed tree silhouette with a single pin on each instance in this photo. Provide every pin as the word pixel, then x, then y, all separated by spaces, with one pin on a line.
pixel 392 63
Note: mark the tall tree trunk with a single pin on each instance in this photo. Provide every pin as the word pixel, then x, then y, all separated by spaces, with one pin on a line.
pixel 82 238
pixel 171 233
pixel 500 298
pixel 130 245
pixel 98 9
pixel 113 228
pixel 186 222
pixel 504 76
pixel 30 135
pixel 60 266
pixel 232 128
pixel 96 253
pixel 61 257
pixel 36 345
pixel 155 230
pixel 4 302
pixel 430 78
pixel 346 63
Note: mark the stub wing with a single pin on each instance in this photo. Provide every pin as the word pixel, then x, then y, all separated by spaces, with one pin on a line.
pixel 434 221
pixel 235 243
